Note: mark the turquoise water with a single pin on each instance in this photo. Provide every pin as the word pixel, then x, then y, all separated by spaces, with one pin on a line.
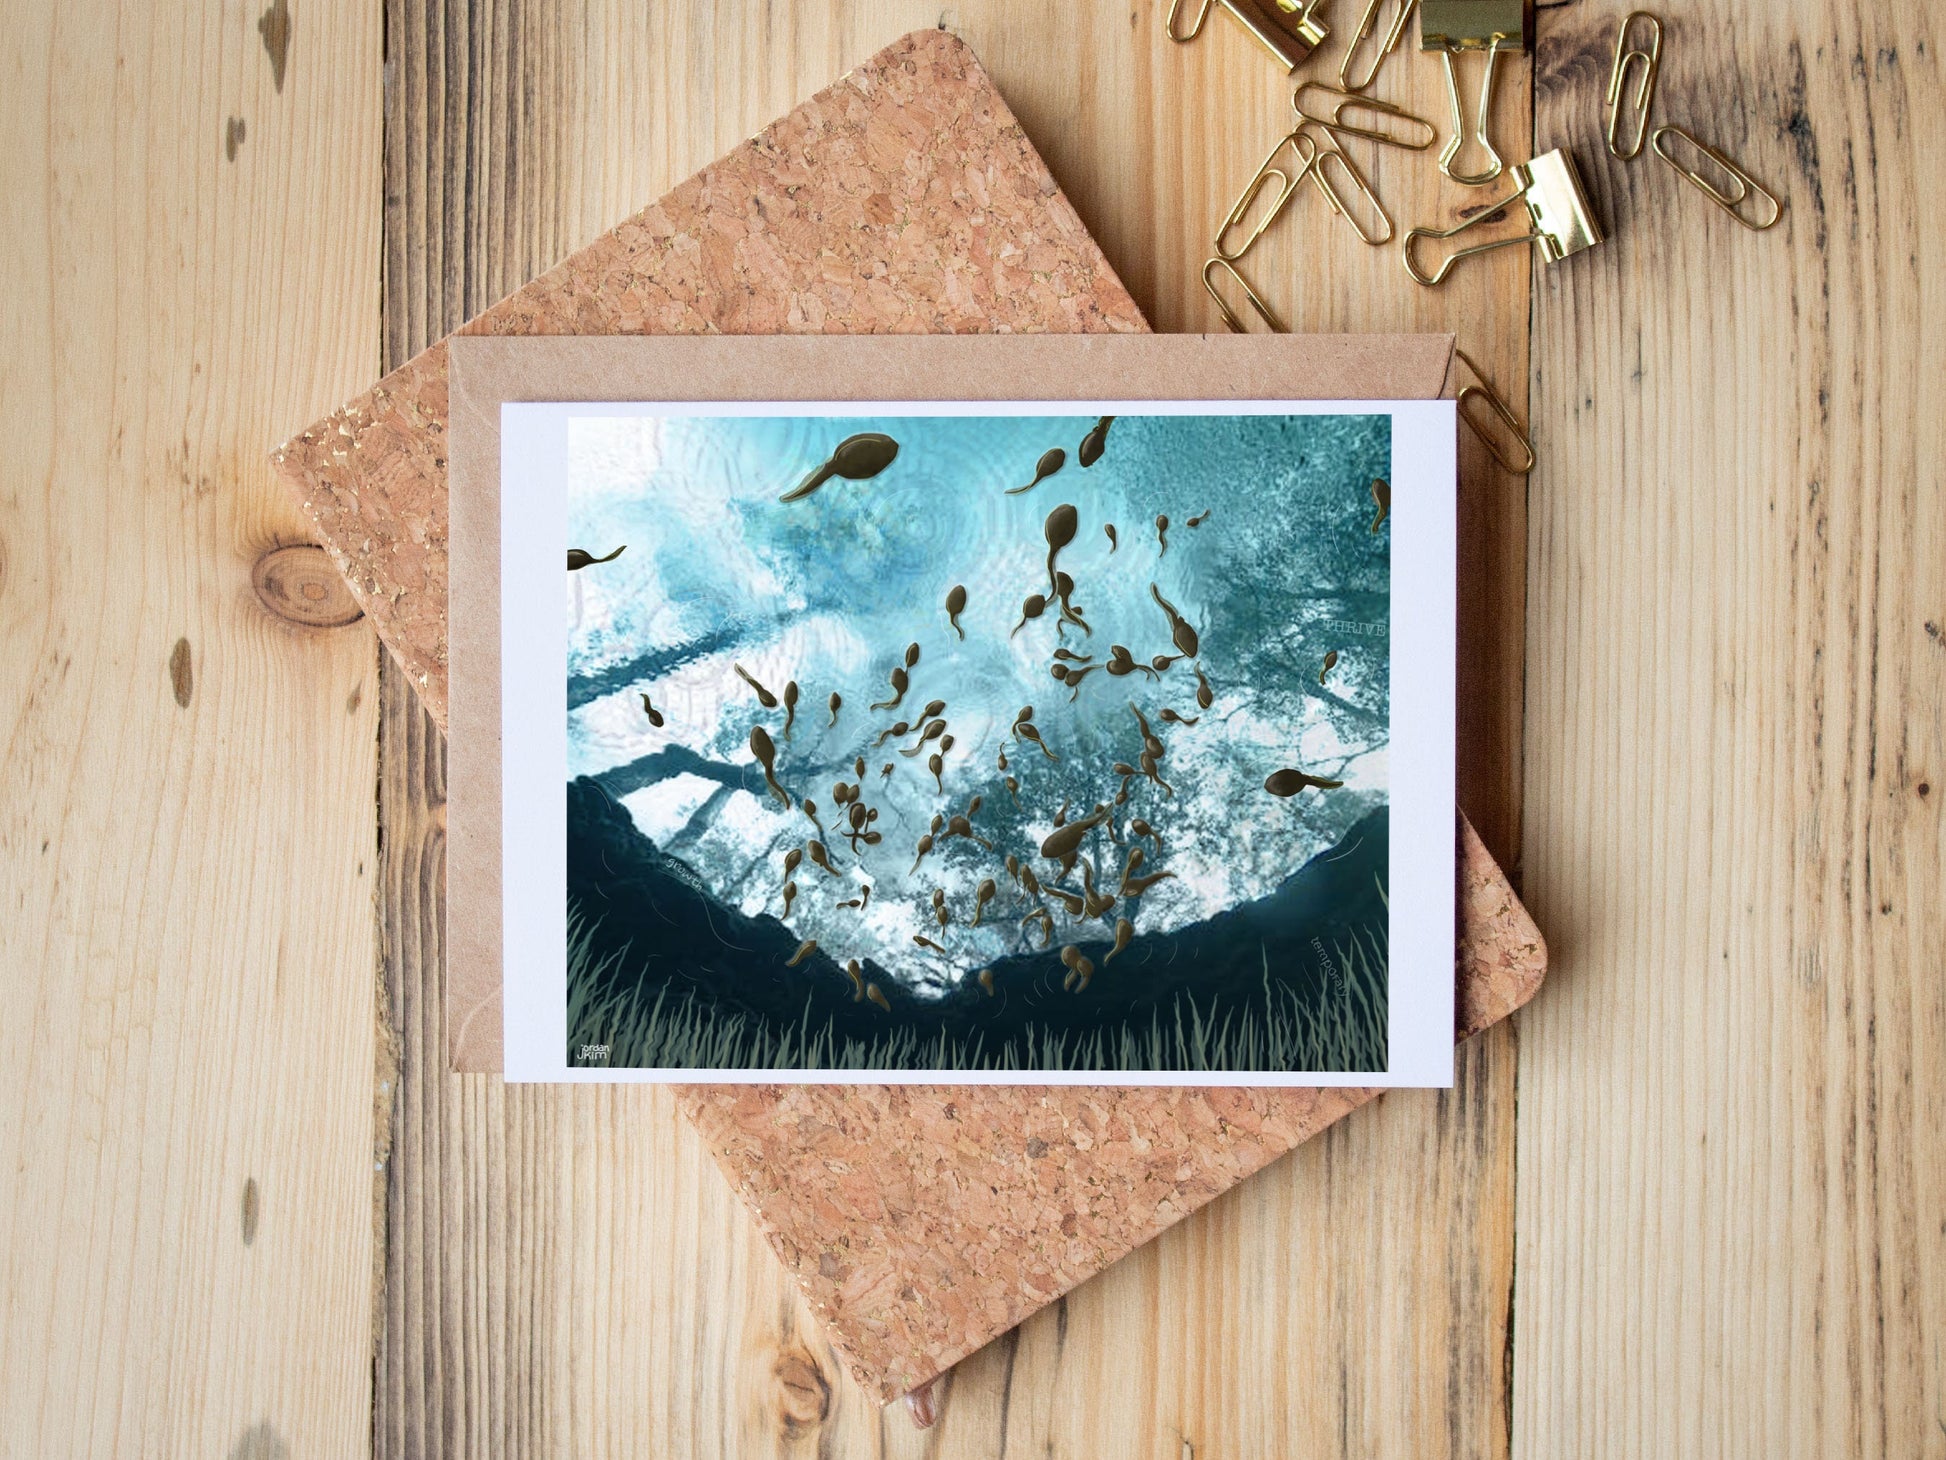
pixel 830 590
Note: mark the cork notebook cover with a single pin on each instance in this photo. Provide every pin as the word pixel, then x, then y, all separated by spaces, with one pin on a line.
pixel 920 1222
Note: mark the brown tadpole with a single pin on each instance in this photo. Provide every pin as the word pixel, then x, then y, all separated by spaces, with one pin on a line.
pixel 961 826
pixel 924 942
pixel 912 656
pixel 1139 827
pixel 766 754
pixel 1113 541
pixel 899 684
pixel 1062 842
pixel 1095 442
pixel 792 859
pixel 790 707
pixel 579 559
pixel 857 458
pixel 899 728
pixel 1288 782
pixel 934 729
pixel 877 996
pixel 837 704
pixel 1013 788
pixel 1136 886
pixel 1381 499
pixel 1330 663
pixel 1205 696
pixel 1051 461
pixel 933 707
pixel 858 767
pixel 1080 969
pixel 804 951
pixel 655 715
pixel 764 696
pixel 1032 607
pixel 1027 731
pixel 1162 533
pixel 1198 520
pixel 853 972
pixel 1059 529
pixel 982 895
pixel 821 857
pixel 985 980
pixel 1180 629
pixel 955 606
pixel 1174 719
pixel 936 763
pixel 1124 930
pixel 790 896
pixel 925 846
pixel 885 771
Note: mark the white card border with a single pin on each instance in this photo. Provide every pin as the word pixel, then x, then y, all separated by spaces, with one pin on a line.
pixel 533 710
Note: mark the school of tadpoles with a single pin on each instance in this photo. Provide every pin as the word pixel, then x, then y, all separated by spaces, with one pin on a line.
pixel 1053 906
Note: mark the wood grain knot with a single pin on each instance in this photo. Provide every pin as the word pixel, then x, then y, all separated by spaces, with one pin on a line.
pixel 182 673
pixel 803 1393
pixel 300 586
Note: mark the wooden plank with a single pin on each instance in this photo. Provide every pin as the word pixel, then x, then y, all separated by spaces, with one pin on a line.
pixel 567 1271
pixel 1733 1087
pixel 191 258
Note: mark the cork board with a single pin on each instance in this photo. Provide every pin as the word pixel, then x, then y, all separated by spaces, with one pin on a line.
pixel 903 198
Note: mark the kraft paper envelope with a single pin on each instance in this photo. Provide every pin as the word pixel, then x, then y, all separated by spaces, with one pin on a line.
pixel 921 1222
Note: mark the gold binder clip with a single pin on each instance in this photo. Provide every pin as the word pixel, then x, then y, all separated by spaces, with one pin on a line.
pixel 1745 185
pixel 1644 64
pixel 1367 28
pixel 1256 300
pixel 1341 102
pixel 1494 26
pixel 1329 152
pixel 1285 175
pixel 1484 391
pixel 1290 32
pixel 1557 208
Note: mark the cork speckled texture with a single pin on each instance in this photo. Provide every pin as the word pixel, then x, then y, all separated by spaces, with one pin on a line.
pixel 921 1222
pixel 902 198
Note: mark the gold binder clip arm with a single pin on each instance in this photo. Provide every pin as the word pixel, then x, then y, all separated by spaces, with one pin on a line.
pixel 1286 31
pixel 1645 65
pixel 1286 178
pixel 1341 102
pixel 1321 173
pixel 1484 390
pixel 1367 27
pixel 1745 185
pixel 1229 314
pixel 1481 119
pixel 1561 221
pixel 1493 26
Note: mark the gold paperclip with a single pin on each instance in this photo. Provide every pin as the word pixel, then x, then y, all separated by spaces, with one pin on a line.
pixel 1305 150
pixel 1367 27
pixel 1494 26
pixel 1289 33
pixel 1626 57
pixel 1358 180
pixel 1256 300
pixel 1557 208
pixel 1746 185
pixel 1484 391
pixel 1344 101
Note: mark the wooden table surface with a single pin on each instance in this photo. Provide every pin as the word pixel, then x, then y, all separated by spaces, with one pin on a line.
pixel 1693 1203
